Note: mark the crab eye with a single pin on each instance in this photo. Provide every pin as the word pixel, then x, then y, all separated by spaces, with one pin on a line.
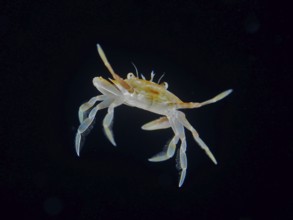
pixel 130 75
pixel 165 85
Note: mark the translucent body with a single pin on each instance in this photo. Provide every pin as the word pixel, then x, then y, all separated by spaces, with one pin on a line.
pixel 149 96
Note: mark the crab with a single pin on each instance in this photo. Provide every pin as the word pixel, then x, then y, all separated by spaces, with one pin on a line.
pixel 149 96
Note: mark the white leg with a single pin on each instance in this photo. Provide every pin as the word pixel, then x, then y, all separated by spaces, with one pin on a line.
pixel 167 152
pixel 86 106
pixel 160 123
pixel 213 100
pixel 105 87
pixel 108 120
pixel 120 81
pixel 182 119
pixel 181 155
pixel 87 122
pixel 105 60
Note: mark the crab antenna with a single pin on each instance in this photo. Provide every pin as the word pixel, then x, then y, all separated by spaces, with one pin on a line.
pixel 161 78
pixel 136 71
pixel 152 75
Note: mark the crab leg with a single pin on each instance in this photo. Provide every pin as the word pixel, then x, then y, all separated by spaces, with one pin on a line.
pixel 169 150
pixel 157 124
pixel 182 119
pixel 216 98
pixel 210 101
pixel 108 120
pixel 109 67
pixel 87 122
pixel 105 87
pixel 86 106
pixel 181 155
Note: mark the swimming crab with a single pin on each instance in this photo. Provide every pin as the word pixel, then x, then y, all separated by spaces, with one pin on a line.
pixel 150 96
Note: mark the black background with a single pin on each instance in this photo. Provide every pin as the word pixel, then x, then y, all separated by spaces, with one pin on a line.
pixel 48 55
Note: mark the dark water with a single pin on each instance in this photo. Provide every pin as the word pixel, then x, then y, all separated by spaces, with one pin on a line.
pixel 49 56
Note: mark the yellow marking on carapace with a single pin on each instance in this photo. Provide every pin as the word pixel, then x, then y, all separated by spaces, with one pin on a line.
pixel 155 92
pixel 152 91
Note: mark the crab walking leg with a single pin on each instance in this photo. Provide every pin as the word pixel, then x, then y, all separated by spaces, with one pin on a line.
pixel 105 87
pixel 213 100
pixel 109 67
pixel 157 124
pixel 86 106
pixel 87 122
pixel 108 120
pixel 200 104
pixel 182 119
pixel 181 159
pixel 167 152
